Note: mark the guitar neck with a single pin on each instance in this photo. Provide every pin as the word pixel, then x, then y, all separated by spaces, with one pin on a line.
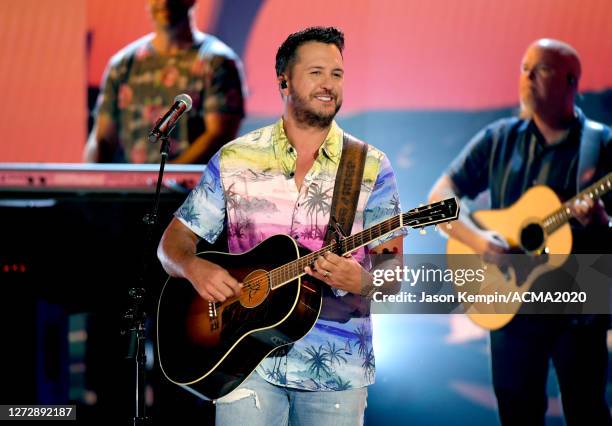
pixel 441 211
pixel 562 215
pixel 295 269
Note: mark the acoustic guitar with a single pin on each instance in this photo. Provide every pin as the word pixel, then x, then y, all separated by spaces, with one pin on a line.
pixel 209 348
pixel 537 225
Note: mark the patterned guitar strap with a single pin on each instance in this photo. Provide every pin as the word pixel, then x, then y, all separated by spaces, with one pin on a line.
pixel 347 186
pixel 346 192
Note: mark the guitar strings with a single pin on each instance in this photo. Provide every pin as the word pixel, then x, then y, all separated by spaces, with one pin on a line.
pixel 558 218
pixel 295 268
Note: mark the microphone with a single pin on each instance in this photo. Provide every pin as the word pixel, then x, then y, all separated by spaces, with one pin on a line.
pixel 182 104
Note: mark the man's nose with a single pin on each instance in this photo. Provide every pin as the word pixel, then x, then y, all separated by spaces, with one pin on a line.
pixel 531 74
pixel 327 83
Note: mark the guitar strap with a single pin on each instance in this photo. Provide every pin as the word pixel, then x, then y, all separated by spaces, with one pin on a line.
pixel 347 186
pixel 591 140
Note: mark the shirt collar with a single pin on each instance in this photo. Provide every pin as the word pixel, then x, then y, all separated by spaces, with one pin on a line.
pixel 198 41
pixel 574 128
pixel 331 146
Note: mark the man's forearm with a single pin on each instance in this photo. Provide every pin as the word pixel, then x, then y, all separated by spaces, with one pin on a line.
pixel 202 147
pixel 220 128
pixel 464 229
pixel 176 249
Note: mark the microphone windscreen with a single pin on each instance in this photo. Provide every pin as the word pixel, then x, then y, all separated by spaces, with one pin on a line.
pixel 186 99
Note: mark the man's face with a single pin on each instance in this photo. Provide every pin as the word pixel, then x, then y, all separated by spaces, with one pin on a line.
pixel 168 13
pixel 543 84
pixel 315 84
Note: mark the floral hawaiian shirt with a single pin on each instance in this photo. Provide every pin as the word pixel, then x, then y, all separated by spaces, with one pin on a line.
pixel 140 85
pixel 249 183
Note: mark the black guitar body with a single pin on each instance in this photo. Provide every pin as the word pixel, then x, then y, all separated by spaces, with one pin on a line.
pixel 211 348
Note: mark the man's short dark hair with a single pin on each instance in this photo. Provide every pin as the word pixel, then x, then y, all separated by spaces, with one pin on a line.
pixel 286 53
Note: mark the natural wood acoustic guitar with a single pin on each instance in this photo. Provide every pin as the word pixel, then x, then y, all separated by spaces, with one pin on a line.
pixel 537 225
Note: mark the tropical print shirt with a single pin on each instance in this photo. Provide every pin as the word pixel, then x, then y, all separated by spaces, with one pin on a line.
pixel 140 85
pixel 250 183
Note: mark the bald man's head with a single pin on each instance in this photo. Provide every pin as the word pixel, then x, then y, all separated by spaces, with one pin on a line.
pixel 550 72
pixel 566 54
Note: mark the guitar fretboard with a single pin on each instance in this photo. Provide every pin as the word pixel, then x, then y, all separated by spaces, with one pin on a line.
pixel 294 269
pixel 441 211
pixel 560 216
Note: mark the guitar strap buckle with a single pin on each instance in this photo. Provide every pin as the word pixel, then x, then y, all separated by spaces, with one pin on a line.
pixel 346 191
pixel 335 227
pixel 338 234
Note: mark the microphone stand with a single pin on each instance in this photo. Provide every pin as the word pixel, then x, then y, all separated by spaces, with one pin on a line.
pixel 136 315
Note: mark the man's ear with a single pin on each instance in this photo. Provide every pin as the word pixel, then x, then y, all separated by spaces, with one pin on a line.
pixel 282 81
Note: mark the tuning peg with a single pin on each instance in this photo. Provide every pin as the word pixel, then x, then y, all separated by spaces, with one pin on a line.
pixel 449 226
pixel 423 231
pixel 435 228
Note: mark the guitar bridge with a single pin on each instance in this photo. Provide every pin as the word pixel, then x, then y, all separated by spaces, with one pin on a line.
pixel 212 309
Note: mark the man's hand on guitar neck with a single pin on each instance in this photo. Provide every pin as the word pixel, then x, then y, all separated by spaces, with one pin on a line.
pixel 344 273
pixel 590 212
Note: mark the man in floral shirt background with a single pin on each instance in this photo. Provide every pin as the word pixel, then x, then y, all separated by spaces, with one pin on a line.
pixel 142 80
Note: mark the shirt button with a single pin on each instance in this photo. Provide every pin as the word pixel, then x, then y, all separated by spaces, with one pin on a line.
pixel 291 174
pixel 290 150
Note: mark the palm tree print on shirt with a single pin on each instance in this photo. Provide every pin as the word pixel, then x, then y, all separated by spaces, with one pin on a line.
pixel 318 360
pixel 317 201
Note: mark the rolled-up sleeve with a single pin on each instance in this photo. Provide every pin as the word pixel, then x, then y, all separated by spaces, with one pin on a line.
pixel 470 170
pixel 383 203
pixel 204 209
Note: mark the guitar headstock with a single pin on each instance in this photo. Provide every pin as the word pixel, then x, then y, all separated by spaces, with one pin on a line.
pixel 438 212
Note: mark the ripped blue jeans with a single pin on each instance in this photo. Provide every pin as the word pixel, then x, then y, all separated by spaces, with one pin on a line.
pixel 257 402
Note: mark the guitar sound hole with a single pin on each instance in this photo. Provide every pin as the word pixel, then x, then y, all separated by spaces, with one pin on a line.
pixel 532 237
